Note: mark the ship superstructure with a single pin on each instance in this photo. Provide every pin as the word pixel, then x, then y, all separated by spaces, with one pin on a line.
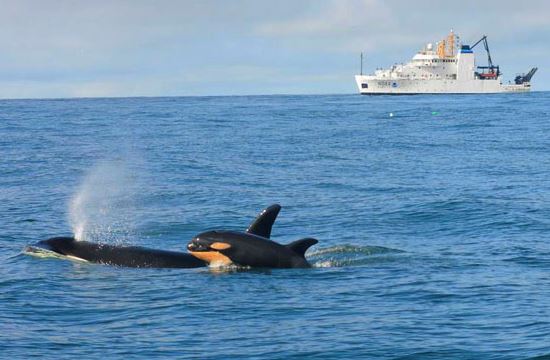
pixel 447 67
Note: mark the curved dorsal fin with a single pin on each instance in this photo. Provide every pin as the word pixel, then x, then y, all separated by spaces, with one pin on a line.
pixel 262 225
pixel 300 246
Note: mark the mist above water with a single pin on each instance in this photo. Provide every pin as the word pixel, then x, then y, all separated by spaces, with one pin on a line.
pixel 101 210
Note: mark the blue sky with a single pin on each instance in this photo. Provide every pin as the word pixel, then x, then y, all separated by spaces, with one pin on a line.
pixel 225 47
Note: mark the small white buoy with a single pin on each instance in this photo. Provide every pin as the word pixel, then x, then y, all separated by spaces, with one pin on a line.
pixel 391 114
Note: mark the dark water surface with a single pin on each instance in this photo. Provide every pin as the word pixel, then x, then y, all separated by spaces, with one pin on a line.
pixel 434 226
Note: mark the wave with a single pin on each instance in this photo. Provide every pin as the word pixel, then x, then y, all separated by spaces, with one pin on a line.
pixel 350 255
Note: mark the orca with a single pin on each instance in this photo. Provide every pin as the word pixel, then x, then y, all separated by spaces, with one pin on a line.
pixel 252 248
pixel 127 256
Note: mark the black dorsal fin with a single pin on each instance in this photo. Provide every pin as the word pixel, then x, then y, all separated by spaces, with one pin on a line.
pixel 300 246
pixel 262 225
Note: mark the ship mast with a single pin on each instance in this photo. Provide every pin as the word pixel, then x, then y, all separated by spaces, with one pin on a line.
pixel 446 47
pixel 451 44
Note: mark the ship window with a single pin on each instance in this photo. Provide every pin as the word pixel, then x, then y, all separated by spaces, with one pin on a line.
pixel 364 85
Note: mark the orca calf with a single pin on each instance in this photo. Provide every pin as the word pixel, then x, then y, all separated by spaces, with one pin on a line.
pixel 252 248
pixel 129 256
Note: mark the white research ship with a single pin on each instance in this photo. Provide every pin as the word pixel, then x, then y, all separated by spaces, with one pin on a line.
pixel 450 68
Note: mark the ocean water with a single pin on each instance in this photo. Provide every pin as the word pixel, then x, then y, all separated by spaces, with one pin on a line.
pixel 432 214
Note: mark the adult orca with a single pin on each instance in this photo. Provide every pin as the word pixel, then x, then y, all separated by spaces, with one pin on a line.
pixel 129 256
pixel 252 248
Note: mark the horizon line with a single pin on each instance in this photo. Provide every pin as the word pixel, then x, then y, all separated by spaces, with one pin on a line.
pixel 233 95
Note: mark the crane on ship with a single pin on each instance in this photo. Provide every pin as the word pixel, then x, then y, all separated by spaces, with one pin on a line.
pixel 525 78
pixel 490 71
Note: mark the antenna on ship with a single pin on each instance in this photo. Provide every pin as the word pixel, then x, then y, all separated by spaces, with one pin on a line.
pixel 361 73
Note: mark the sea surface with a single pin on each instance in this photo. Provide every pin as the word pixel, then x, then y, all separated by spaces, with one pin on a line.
pixel 432 214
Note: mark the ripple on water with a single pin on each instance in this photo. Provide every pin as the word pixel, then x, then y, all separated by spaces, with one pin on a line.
pixel 433 230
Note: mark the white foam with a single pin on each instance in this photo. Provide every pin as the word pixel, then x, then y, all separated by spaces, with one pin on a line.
pixel 324 264
pixel 75 258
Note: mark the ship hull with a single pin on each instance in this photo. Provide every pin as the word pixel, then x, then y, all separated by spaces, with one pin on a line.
pixel 370 85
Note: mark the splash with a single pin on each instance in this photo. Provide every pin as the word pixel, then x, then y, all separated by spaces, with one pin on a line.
pixel 101 209
pixel 351 255
pixel 353 249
